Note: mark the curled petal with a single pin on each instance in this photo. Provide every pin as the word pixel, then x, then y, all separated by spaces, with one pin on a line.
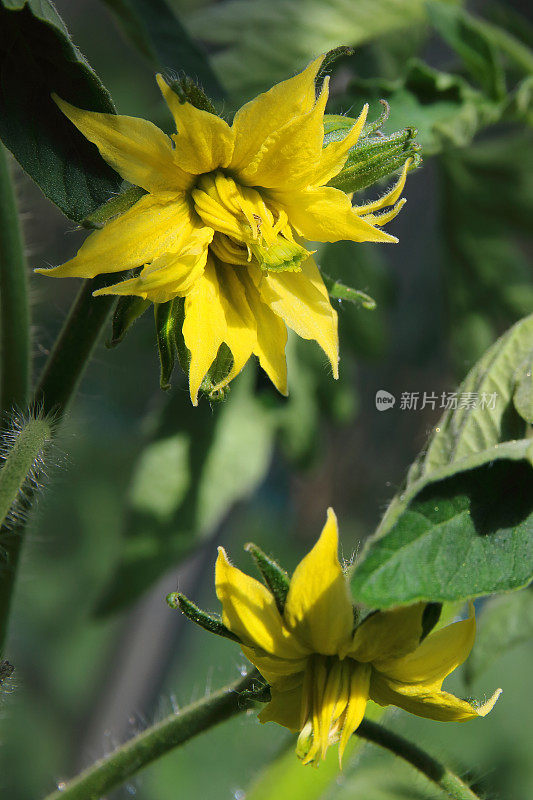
pixel 423 702
pixel 390 197
pixel 325 215
pixel 318 609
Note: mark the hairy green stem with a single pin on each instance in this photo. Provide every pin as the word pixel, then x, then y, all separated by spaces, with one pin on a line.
pixel 176 729
pixel 58 383
pixel 73 348
pixel 14 309
pixel 19 465
pixel 419 759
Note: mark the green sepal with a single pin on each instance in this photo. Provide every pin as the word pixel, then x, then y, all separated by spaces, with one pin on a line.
pixel 117 205
pixel 430 617
pixel 128 309
pixel 169 319
pixel 329 60
pixel 210 622
pixel 275 577
pixel 218 372
pixel 339 291
pixel 374 158
pixel 188 91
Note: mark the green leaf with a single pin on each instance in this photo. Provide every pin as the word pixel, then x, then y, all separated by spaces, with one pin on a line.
pixel 463 525
pixel 504 622
pixel 159 35
pixel 275 38
pixel 37 58
pixel 479 55
pixel 523 396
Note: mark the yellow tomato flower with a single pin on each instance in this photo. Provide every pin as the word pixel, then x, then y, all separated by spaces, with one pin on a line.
pixel 321 670
pixel 223 218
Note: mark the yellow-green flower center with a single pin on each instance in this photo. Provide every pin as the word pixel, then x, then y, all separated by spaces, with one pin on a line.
pixel 246 227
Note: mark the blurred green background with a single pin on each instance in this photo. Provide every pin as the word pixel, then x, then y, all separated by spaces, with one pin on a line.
pixel 141 487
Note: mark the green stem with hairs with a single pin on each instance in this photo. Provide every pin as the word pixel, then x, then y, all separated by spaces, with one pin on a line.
pixel 58 383
pixel 14 309
pixel 173 731
pixel 436 772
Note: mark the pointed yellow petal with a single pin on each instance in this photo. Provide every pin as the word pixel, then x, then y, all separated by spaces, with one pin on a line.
pixel 318 608
pixel 334 155
pixel 302 301
pixel 359 688
pixel 438 655
pixel 387 634
pixel 241 330
pixel 249 610
pixel 436 704
pixel 390 197
pixel 204 141
pixel 204 327
pixel 385 216
pixel 258 119
pixel 326 215
pixel 288 155
pixel 156 224
pixel 137 149
pixel 271 333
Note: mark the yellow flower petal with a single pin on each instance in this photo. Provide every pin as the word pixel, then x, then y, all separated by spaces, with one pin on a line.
pixel 284 708
pixel 241 330
pixel 271 334
pixel 436 704
pixel 387 634
pixel 249 610
pixel 326 215
pixel 355 711
pixel 302 301
pixel 137 149
pixel 204 141
pixel 259 118
pixel 280 672
pixel 286 157
pixel 171 275
pixel 204 327
pixel 155 225
pixel 390 197
pixel 438 655
pixel 318 608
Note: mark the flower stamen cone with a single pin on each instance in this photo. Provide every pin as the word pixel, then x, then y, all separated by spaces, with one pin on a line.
pixel 225 218
pixel 321 669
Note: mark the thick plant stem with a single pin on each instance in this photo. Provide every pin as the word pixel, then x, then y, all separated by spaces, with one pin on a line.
pixel 58 383
pixel 419 759
pixel 14 309
pixel 73 348
pixel 176 729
